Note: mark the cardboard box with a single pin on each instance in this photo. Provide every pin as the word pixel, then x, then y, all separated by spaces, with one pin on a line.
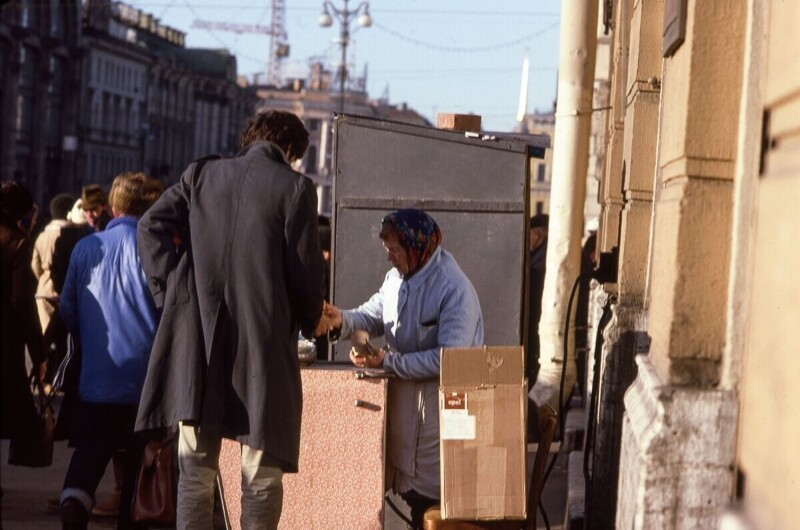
pixel 458 122
pixel 482 411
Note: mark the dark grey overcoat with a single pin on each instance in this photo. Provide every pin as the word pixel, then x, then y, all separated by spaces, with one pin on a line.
pixel 247 276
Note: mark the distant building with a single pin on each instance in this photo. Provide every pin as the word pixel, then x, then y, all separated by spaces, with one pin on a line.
pixel 542 124
pixel 315 100
pixel 39 80
pixel 91 89
pixel 163 105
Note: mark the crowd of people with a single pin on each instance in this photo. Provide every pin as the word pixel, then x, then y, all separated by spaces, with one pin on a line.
pixel 183 307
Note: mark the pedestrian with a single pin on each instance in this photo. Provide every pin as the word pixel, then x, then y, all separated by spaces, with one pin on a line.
pixel 426 303
pixel 20 322
pixel 247 274
pixel 107 303
pixel 44 255
pixel 537 264
pixel 95 207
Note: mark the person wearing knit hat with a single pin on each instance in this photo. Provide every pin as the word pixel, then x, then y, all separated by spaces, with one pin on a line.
pixel 95 207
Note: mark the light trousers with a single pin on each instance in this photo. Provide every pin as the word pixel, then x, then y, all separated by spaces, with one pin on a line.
pixel 262 487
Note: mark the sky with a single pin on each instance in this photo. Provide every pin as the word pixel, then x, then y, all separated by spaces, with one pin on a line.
pixel 453 56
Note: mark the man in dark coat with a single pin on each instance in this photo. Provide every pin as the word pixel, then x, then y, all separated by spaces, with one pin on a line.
pixel 247 275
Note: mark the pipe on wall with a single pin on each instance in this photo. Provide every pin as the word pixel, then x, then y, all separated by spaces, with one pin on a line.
pixel 577 57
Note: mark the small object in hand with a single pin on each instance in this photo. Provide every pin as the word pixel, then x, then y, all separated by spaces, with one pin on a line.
pixel 361 345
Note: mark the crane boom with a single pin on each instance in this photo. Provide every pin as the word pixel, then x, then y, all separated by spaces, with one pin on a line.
pixel 278 41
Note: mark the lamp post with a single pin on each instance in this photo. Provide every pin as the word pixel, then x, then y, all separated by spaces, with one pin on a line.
pixel 344 16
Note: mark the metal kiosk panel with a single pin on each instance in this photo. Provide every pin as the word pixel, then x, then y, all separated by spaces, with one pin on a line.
pixel 476 187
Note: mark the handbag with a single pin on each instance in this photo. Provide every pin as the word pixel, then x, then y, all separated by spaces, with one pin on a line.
pixel 34 448
pixel 154 496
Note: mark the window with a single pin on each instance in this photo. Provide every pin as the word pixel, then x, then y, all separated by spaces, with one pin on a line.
pixel 56 20
pixel 54 122
pixel 24 102
pixel 311 160
pixel 27 15
pixel 539 207
pixel 540 172
pixel 56 76
pixel 313 125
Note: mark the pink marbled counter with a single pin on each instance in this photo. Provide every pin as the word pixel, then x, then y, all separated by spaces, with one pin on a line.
pixel 341 478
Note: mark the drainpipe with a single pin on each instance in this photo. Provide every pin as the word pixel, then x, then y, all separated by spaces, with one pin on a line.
pixel 578 47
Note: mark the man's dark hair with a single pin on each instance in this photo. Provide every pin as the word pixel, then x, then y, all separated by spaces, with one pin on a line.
pixel 16 200
pixel 282 128
pixel 60 205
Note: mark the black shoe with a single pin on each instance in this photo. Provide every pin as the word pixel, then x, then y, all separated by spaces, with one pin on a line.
pixel 73 515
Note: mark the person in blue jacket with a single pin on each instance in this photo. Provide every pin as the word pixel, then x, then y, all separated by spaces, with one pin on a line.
pixel 426 303
pixel 107 304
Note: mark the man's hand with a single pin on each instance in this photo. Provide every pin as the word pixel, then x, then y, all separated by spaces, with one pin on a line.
pixel 334 315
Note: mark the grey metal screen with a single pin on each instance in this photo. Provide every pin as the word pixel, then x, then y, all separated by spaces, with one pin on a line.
pixel 475 187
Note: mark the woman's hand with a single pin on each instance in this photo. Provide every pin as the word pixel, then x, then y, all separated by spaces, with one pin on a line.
pixel 368 361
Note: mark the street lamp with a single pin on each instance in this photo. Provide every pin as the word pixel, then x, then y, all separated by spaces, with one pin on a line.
pixel 344 16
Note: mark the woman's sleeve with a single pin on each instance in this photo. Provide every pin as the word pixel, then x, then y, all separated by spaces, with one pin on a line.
pixel 367 317
pixel 460 325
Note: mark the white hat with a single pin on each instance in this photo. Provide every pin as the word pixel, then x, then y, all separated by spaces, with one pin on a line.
pixel 76 215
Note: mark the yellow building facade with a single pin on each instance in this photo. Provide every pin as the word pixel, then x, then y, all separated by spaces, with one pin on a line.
pixel 701 178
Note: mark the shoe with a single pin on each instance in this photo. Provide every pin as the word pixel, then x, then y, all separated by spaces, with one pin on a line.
pixel 110 508
pixel 73 515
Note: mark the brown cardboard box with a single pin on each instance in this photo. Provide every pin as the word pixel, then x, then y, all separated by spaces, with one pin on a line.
pixel 482 410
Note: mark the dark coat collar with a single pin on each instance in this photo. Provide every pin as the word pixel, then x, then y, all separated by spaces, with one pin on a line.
pixel 270 149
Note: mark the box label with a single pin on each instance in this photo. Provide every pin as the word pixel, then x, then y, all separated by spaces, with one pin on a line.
pixel 457 424
pixel 454 401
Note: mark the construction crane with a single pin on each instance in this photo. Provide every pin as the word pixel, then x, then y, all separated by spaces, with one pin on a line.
pixel 278 39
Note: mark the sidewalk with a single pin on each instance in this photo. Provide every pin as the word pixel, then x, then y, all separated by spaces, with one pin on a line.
pixel 26 491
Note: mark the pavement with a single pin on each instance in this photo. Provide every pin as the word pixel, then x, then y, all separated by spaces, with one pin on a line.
pixel 27 490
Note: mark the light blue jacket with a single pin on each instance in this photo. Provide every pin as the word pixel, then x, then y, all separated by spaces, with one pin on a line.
pixel 106 300
pixel 436 308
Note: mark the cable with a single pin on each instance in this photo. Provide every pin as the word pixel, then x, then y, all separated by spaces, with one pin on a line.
pixel 464 49
pixel 591 433
pixel 562 383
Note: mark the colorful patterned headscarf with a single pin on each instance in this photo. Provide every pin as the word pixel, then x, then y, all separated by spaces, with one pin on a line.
pixel 419 236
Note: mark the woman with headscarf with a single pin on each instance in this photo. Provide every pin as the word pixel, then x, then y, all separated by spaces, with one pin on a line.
pixel 426 303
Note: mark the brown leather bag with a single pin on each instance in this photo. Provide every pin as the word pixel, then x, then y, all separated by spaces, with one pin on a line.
pixel 154 497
